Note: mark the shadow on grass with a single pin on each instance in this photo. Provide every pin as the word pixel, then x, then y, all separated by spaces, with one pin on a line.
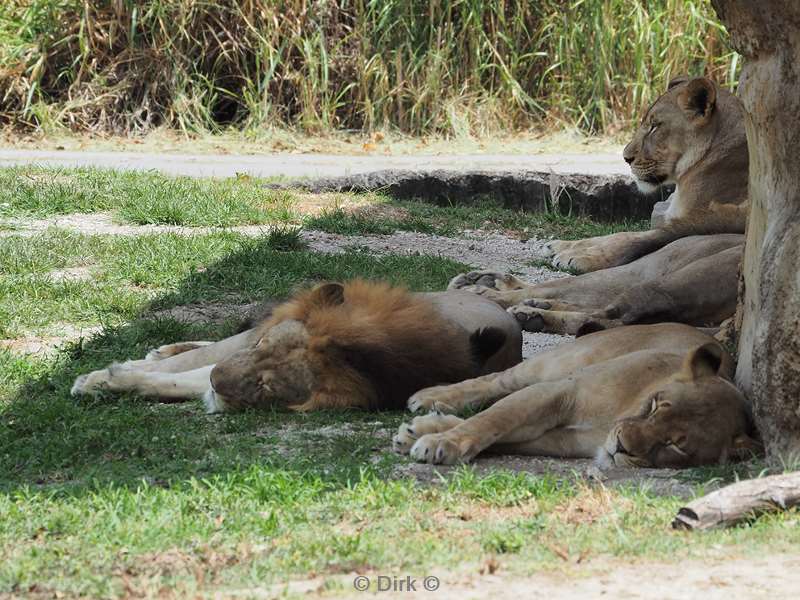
pixel 51 441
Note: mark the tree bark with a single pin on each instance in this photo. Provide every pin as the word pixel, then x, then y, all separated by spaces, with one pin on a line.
pixel 740 501
pixel 767 34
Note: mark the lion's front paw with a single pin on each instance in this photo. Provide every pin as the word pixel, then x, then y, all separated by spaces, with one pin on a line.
pixel 91 384
pixel 485 279
pixel 432 399
pixel 576 262
pixel 437 449
pixel 529 318
pixel 409 433
pixel 550 249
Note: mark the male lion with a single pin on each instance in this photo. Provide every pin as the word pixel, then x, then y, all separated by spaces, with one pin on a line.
pixel 693 280
pixel 692 136
pixel 643 395
pixel 361 344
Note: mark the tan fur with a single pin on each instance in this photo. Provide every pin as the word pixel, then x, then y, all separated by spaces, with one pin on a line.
pixel 643 395
pixel 693 280
pixel 361 344
pixel 692 136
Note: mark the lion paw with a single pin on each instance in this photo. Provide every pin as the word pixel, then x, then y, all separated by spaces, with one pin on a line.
pixel 486 279
pixel 437 449
pixel 529 317
pixel 91 384
pixel 116 378
pixel 432 399
pixel 409 433
pixel 169 350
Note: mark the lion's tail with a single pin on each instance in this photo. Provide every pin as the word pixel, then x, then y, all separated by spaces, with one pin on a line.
pixel 485 343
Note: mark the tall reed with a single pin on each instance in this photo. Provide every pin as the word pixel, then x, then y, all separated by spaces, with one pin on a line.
pixel 448 67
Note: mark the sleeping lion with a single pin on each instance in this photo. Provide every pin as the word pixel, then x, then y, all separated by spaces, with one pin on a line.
pixel 643 395
pixel 361 344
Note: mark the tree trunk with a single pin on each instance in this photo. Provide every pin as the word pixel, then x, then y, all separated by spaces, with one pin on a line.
pixel 767 34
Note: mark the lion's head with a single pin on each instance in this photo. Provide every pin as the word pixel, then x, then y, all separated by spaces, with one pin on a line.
pixel 674 133
pixel 695 419
pixel 278 370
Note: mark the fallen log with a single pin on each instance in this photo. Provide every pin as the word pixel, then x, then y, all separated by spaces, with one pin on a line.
pixel 740 501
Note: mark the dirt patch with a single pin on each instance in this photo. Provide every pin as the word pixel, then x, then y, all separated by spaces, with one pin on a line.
pixel 72 274
pixel 61 333
pixel 661 482
pixel 717 576
pixel 316 204
pixel 201 313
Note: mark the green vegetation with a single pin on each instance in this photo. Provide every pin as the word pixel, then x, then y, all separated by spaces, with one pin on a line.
pixel 119 496
pixel 451 220
pixel 454 68
pixel 125 273
pixel 141 198
pixel 156 199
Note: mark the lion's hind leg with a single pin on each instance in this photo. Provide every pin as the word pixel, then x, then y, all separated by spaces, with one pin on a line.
pixel 562 322
pixel 506 290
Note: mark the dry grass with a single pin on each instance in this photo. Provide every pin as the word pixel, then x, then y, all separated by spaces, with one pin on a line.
pixel 464 67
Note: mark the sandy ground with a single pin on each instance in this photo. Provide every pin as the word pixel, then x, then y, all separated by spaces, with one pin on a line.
pixel 316 165
pixel 720 576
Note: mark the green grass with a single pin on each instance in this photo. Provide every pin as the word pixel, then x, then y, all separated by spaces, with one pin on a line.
pixel 457 68
pixel 451 220
pixel 119 496
pixel 155 199
pixel 141 198
pixel 168 269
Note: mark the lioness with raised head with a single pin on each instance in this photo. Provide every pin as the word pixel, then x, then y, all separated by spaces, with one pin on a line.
pixel 693 280
pixel 361 344
pixel 692 136
pixel 643 395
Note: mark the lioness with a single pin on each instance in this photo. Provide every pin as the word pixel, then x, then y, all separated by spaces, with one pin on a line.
pixel 693 280
pixel 692 136
pixel 643 395
pixel 361 344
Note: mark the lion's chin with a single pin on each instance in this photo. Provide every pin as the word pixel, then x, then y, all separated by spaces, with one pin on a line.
pixel 214 403
pixel 646 187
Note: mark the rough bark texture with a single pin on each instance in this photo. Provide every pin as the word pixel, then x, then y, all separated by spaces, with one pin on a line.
pixel 767 34
pixel 740 501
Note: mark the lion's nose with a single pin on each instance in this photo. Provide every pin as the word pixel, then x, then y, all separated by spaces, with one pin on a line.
pixel 628 158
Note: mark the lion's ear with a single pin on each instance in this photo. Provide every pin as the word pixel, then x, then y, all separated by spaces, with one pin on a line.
pixel 328 294
pixel 703 361
pixel 698 98
pixel 677 80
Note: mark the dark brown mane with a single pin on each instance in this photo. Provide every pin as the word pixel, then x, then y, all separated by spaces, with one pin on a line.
pixel 382 339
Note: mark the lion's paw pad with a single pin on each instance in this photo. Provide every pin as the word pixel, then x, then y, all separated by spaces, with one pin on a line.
pixel 529 318
pixel 436 449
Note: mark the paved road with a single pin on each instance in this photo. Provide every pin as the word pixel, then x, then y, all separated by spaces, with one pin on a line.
pixel 316 165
